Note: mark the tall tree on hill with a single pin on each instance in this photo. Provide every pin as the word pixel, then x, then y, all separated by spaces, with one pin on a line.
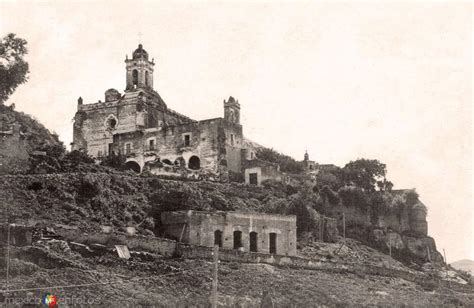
pixel 13 68
pixel 368 174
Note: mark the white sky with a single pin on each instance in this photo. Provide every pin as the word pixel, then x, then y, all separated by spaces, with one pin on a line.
pixel 343 80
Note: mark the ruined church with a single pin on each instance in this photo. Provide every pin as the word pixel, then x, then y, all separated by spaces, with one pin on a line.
pixel 157 139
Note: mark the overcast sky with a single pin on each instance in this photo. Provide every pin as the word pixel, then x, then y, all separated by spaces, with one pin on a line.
pixel 343 80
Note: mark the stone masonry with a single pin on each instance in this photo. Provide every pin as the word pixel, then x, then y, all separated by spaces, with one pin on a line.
pixel 254 232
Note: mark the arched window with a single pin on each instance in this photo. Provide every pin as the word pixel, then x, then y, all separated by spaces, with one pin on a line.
pixel 135 77
pixel 253 241
pixel 194 163
pixel 146 78
pixel 237 239
pixel 218 238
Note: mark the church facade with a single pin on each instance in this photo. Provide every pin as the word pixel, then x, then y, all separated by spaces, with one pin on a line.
pixel 139 125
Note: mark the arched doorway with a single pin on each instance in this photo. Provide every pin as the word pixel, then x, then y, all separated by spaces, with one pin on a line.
pixel 218 238
pixel 273 243
pixel 237 239
pixel 131 165
pixel 194 163
pixel 253 241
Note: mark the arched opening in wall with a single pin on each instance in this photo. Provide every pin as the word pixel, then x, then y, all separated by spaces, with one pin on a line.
pixel 237 239
pixel 180 162
pixel 273 243
pixel 253 241
pixel 166 162
pixel 218 238
pixel 194 163
pixel 131 165
pixel 135 77
pixel 146 78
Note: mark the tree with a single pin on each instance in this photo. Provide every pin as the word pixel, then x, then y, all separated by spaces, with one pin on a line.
pixel 287 163
pixel 13 68
pixel 368 174
pixel 302 204
pixel 352 196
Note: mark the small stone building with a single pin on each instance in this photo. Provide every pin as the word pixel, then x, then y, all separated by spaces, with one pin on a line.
pixel 254 232
pixel 256 171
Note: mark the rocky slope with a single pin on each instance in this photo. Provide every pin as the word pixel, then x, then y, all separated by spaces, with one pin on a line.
pixel 20 136
pixel 87 201
pixel 464 265
pixel 90 200
pixel 148 279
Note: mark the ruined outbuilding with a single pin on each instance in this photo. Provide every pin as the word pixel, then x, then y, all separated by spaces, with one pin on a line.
pixel 251 232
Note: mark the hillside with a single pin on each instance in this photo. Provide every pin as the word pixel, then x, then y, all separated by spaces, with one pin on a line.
pixel 70 209
pixel 90 200
pixel 20 136
pixel 154 280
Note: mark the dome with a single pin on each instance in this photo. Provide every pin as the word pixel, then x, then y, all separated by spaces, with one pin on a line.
pixel 140 53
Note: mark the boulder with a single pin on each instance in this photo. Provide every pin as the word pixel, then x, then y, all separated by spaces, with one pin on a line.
pixel 423 247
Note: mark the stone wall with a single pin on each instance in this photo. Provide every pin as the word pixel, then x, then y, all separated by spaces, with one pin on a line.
pixel 214 143
pixel 157 245
pixel 263 170
pixel 13 151
pixel 201 227
pixel 133 111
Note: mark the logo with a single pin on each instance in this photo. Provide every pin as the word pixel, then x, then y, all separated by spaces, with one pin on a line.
pixel 49 299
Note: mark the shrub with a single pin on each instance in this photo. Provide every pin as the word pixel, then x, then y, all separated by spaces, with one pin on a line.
pixel 287 163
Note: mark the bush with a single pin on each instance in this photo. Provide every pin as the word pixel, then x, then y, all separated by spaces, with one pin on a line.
pixel 114 161
pixel 287 163
pixel 73 159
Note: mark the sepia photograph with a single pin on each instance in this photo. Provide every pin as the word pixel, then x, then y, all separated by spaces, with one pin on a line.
pixel 253 153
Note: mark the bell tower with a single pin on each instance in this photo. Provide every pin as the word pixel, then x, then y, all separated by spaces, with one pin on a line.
pixel 139 70
pixel 232 110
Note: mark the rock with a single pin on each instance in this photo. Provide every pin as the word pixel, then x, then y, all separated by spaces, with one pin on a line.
pixel 390 239
pixel 378 235
pixel 394 240
pixel 58 245
pixel 148 232
pixel 424 247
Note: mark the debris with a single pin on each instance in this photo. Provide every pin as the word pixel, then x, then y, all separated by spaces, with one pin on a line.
pixel 122 251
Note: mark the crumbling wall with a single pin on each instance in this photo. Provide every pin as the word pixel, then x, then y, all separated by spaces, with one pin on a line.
pixel 201 226
pixel 263 169
pixel 13 151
